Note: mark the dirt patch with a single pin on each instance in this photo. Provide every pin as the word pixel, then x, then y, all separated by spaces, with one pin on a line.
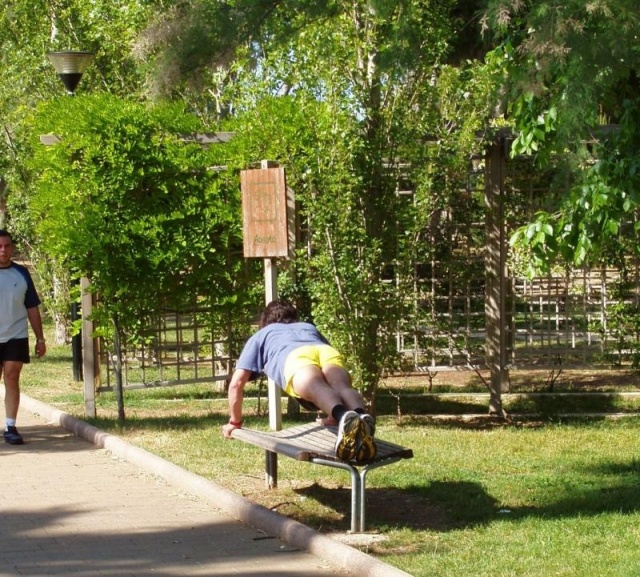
pixel 330 510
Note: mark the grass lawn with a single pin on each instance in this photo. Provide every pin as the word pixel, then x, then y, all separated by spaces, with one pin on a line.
pixel 543 496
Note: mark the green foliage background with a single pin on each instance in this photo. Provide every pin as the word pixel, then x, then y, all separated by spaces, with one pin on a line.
pixel 125 201
pixel 352 98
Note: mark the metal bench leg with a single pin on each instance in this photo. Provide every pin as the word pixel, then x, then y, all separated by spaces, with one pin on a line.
pixel 358 487
pixel 357 492
pixel 363 498
pixel 356 500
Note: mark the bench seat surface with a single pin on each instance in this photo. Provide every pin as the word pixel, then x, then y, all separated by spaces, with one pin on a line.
pixel 313 441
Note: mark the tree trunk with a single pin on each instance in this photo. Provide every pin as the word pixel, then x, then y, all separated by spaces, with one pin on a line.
pixel 3 202
pixel 117 345
pixel 61 331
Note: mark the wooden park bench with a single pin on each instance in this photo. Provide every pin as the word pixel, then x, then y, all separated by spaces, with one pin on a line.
pixel 314 443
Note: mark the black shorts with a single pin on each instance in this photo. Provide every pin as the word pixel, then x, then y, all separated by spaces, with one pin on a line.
pixel 15 350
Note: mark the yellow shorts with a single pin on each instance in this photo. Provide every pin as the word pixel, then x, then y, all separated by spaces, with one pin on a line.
pixel 318 355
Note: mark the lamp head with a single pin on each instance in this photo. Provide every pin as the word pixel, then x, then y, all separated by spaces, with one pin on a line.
pixel 70 66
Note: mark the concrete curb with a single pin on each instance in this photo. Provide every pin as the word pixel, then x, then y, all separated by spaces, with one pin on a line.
pixel 292 532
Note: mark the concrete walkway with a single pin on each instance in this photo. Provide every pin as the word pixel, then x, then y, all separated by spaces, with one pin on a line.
pixel 104 507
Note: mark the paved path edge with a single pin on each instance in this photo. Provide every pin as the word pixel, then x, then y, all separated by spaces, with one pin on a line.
pixel 271 522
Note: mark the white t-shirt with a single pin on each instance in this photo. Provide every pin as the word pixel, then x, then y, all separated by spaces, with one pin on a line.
pixel 17 294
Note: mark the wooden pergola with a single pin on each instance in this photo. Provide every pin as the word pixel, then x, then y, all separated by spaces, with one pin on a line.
pixel 496 287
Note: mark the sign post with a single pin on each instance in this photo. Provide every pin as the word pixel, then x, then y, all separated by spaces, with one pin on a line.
pixel 265 212
pixel 267 217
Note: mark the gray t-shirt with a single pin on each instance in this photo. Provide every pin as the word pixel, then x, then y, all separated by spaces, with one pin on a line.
pixel 267 350
pixel 17 294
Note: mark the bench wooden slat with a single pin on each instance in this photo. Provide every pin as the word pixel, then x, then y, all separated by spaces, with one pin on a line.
pixel 311 441
pixel 270 443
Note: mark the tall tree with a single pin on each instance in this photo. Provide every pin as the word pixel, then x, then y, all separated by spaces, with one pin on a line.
pixel 123 200
pixel 363 78
pixel 574 67
pixel 28 30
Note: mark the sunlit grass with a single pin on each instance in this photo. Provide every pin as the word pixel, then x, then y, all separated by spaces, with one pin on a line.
pixel 537 497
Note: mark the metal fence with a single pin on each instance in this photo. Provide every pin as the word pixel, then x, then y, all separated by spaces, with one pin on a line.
pixel 576 318
pixel 179 348
pixel 579 319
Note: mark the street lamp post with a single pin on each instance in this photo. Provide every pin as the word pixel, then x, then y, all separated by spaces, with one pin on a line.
pixel 70 66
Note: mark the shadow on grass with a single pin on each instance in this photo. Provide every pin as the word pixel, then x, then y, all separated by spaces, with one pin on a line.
pixel 612 487
pixel 53 359
pixel 578 380
pixel 550 405
pixel 452 505
pixel 488 422
pixel 159 424
pixel 430 507
pixel 430 404
pixel 163 392
pixel 542 404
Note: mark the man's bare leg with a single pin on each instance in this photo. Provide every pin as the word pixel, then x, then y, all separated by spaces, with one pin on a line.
pixel 340 381
pixel 12 371
pixel 310 384
pixel 356 429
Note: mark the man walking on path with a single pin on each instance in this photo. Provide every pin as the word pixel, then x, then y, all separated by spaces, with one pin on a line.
pixel 19 304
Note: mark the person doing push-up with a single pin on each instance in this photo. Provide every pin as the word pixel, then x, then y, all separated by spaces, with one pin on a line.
pixel 297 357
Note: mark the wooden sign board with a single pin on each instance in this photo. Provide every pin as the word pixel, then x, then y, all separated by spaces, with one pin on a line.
pixel 266 213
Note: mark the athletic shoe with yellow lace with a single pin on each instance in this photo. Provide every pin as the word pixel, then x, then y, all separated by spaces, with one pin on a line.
pixel 349 434
pixel 366 449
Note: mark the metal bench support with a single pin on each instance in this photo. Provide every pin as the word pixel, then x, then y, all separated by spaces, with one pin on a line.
pixel 358 487
pixel 314 443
